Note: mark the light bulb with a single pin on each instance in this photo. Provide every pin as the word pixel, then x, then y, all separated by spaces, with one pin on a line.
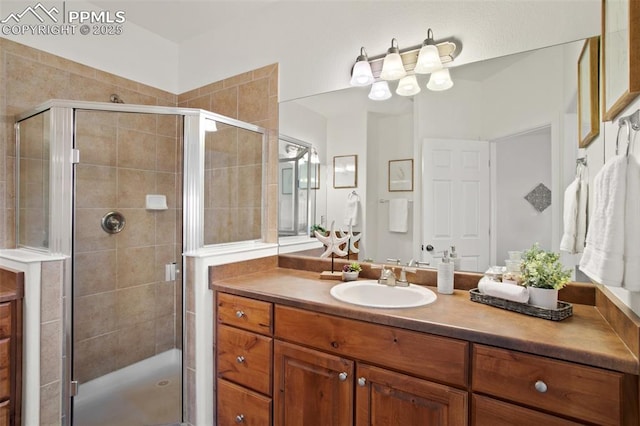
pixel 380 91
pixel 440 80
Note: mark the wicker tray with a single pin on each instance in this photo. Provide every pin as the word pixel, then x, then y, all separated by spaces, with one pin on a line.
pixel 564 310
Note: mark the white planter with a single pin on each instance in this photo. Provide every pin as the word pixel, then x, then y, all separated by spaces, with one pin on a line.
pixel 543 297
pixel 350 276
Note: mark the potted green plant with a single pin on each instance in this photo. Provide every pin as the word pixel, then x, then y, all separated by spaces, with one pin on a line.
pixel 544 275
pixel 351 271
pixel 318 228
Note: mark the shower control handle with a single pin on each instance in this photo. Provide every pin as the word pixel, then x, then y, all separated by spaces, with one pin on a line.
pixel 240 418
pixel 113 222
pixel 239 314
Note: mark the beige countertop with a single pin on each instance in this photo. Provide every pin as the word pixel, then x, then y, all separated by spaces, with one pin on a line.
pixel 586 337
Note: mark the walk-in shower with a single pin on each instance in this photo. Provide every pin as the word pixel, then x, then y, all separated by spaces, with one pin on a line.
pixel 123 191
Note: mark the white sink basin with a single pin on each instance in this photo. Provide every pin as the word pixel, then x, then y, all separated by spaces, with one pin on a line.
pixel 370 293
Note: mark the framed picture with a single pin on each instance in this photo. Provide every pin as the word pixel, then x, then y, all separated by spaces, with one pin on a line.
pixel 588 114
pixel 401 175
pixel 287 181
pixel 620 55
pixel 345 171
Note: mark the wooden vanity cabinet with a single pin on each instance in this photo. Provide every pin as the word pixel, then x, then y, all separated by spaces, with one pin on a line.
pixel 320 359
pixel 244 354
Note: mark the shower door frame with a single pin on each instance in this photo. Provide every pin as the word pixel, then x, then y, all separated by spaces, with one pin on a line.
pixel 63 157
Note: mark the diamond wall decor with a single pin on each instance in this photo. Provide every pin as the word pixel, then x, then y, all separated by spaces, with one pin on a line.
pixel 539 197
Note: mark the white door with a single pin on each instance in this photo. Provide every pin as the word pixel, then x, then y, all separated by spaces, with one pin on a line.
pixel 456 200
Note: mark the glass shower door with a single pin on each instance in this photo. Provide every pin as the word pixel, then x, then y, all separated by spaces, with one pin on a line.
pixel 127 295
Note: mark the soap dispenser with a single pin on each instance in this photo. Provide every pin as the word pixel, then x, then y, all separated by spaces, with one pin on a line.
pixel 445 275
pixel 455 259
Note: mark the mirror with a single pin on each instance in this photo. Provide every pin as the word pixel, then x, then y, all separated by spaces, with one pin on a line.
pixel 514 117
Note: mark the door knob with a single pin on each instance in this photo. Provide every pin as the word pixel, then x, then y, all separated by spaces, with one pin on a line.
pixel 362 381
pixel 343 376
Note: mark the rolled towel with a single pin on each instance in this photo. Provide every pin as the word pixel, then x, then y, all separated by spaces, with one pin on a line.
pixel 511 292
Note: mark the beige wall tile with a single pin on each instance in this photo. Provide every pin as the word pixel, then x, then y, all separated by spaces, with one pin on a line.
pixel 96 138
pixel 164 298
pixel 95 272
pixel 165 333
pixel 135 305
pixel 165 254
pixel 166 153
pixel 136 266
pixel 51 296
pixel 96 186
pixel 166 227
pixel 250 186
pixel 133 187
pixel 50 352
pixel 88 89
pixel 50 406
pixel 136 150
pixel 95 357
pixel 146 123
pixel 166 185
pixel 167 125
pixel 239 79
pixel 94 315
pixel 139 230
pixel 225 102
pixel 253 101
pixel 136 343
pixel 29 83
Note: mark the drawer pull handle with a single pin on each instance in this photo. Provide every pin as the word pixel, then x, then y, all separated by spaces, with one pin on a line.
pixel 541 386
pixel 240 418
pixel 240 359
pixel 239 314
pixel 362 381
pixel 342 376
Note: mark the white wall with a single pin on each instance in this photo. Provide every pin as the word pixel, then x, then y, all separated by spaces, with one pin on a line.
pixel 137 53
pixel 391 139
pixel 522 162
pixel 315 58
pixel 347 135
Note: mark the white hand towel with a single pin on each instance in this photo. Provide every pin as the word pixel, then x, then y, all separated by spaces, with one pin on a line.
pixel 398 215
pixel 351 210
pixel 632 227
pixel 603 258
pixel 511 292
pixel 575 215
pixel 570 217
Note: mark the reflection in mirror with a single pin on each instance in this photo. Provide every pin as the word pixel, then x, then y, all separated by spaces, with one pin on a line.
pixel 492 158
pixel 298 168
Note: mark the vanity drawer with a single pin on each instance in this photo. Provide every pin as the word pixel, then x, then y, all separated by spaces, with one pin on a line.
pixel 5 368
pixel 250 314
pixel 581 392
pixel 419 354
pixel 491 412
pixel 245 358
pixel 5 319
pixel 237 405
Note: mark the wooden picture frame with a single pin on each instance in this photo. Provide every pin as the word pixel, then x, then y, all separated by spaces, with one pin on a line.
pixel 620 52
pixel 588 98
pixel 345 171
pixel 401 175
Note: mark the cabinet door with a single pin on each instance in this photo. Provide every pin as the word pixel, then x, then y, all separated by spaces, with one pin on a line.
pixel 388 398
pixel 311 387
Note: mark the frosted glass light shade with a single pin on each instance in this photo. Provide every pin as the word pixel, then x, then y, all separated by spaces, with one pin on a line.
pixel 428 60
pixel 440 80
pixel 408 86
pixel 362 75
pixel 392 67
pixel 380 91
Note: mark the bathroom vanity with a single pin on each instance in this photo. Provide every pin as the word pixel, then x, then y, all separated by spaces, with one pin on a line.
pixel 289 353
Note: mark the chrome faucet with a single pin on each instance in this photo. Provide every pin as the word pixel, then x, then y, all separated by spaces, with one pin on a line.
pixel 387 277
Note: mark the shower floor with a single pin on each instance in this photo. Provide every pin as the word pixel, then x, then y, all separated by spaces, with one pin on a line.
pixel 146 393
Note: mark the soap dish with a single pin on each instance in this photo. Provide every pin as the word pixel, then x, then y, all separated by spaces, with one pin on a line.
pixel 563 311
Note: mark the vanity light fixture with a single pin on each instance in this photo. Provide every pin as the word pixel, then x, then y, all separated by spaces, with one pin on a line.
pixel 392 67
pixel 406 66
pixel 361 74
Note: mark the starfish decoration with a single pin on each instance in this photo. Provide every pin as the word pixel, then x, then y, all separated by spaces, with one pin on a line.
pixel 353 239
pixel 332 241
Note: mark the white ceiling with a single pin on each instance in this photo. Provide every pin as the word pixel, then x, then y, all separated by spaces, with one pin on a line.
pixel 181 20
